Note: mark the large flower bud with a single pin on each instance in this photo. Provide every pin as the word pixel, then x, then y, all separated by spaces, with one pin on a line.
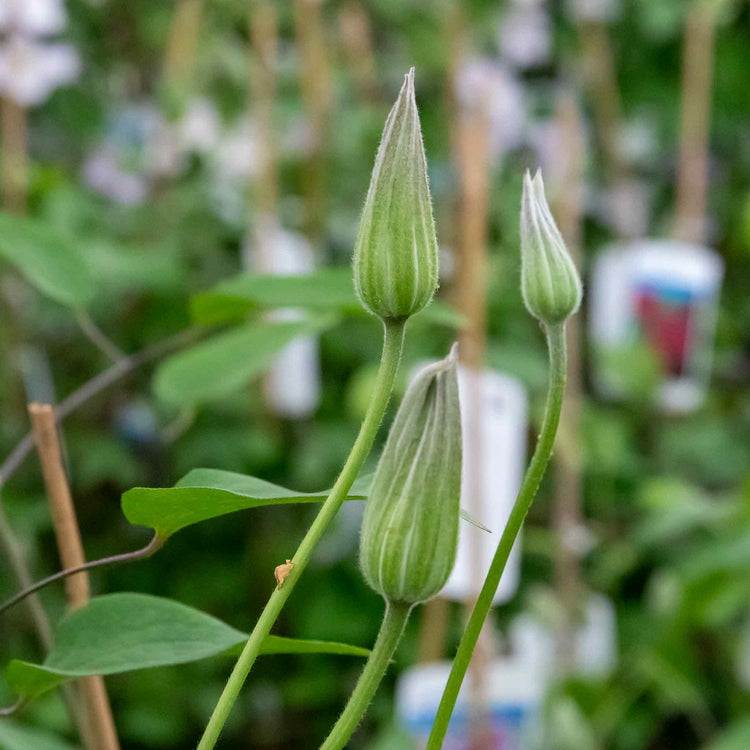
pixel 410 528
pixel 550 283
pixel 396 256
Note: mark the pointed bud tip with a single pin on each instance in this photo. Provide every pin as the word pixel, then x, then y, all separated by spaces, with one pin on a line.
pixel 452 357
pixel 550 282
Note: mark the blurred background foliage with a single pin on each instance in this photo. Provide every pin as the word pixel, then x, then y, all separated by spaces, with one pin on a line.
pixel 166 212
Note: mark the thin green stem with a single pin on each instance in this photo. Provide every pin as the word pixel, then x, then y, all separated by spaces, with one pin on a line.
pixel 392 346
pixel 394 622
pixel 529 487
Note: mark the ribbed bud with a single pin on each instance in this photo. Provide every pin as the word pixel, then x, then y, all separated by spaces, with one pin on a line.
pixel 396 256
pixel 550 283
pixel 410 528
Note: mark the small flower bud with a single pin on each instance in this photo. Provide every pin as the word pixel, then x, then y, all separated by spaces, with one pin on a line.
pixel 410 528
pixel 550 283
pixel 396 256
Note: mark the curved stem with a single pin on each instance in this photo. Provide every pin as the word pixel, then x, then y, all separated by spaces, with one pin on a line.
pixel 392 345
pixel 529 487
pixel 140 554
pixel 394 622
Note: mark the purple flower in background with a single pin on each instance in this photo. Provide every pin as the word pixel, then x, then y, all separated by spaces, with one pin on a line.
pixel 31 67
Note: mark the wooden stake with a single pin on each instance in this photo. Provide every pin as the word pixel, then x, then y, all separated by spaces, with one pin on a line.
pixel 179 59
pixel 604 94
pixel 356 38
pixel 44 428
pixel 697 77
pixel 317 93
pixel 264 190
pixel 567 520
pixel 14 152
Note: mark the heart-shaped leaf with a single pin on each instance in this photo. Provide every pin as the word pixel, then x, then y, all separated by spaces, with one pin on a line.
pixel 223 364
pixel 328 289
pixel 209 493
pixel 49 263
pixel 123 632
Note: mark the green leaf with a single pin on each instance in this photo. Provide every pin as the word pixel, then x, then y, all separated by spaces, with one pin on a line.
pixel 15 736
pixel 210 493
pixel 203 494
pixel 119 633
pixel 223 364
pixel 328 289
pixel 48 262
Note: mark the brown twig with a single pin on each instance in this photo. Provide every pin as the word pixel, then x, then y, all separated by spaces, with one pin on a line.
pixel 97 337
pixel 93 387
pixel 44 427
pixel 151 548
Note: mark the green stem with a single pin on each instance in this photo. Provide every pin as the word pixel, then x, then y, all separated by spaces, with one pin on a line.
pixel 392 346
pixel 529 487
pixel 394 622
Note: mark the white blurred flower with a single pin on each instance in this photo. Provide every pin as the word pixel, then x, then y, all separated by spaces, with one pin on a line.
pixel 625 207
pixel 200 129
pixel 638 142
pixel 102 171
pixel 593 10
pixel 524 35
pixel 33 17
pixel 490 86
pixel 237 156
pixel 31 70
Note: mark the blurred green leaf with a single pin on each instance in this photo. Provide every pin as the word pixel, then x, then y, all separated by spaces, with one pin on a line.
pixel 49 263
pixel 123 632
pixel 228 361
pixel 735 737
pixel 329 289
pixel 156 269
pixel 203 494
pixel 15 736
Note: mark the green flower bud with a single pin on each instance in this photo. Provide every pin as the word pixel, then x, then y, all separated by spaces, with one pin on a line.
pixel 550 283
pixel 396 256
pixel 410 528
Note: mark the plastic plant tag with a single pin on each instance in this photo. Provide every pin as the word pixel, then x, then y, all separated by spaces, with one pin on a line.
pixel 503 416
pixel 515 691
pixel 652 317
pixel 293 383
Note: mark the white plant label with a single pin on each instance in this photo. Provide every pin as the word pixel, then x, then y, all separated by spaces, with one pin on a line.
pixel 663 295
pixel 292 385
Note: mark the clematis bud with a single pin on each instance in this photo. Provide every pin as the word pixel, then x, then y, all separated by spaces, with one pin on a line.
pixel 396 256
pixel 410 528
pixel 550 283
